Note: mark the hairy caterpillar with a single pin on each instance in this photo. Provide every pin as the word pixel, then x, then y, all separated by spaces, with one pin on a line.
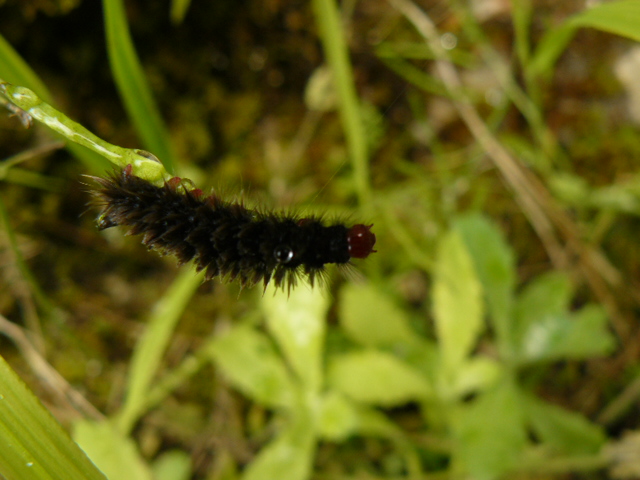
pixel 224 238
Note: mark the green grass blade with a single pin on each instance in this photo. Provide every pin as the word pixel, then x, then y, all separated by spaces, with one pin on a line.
pixel 152 345
pixel 336 51
pixel 133 86
pixel 179 10
pixel 522 13
pixel 33 445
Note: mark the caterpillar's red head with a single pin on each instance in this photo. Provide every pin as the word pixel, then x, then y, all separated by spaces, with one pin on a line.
pixel 361 241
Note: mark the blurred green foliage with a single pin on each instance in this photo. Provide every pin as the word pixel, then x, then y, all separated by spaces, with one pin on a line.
pixel 490 336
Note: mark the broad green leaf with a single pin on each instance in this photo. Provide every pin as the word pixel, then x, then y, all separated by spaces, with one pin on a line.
pixel 494 262
pixel 297 322
pixel 372 318
pixel 249 360
pixel 589 335
pixel 33 445
pixel 337 418
pixel 490 433
pixel 289 456
pixel 546 296
pixel 172 465
pixel 568 432
pixel 133 86
pixel 377 378
pixel 475 375
pixel 620 18
pixel 115 454
pixel 422 355
pixel 457 299
pixel 373 423
pixel 340 417
pixel 546 330
pixel 563 336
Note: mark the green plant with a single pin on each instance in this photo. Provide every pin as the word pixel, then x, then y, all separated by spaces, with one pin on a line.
pixel 448 360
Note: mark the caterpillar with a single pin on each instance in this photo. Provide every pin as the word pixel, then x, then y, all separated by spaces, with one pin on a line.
pixel 224 238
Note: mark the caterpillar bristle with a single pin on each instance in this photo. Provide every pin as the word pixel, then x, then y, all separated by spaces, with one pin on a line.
pixel 226 239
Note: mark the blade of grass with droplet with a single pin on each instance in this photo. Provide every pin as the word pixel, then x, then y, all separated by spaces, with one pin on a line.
pixel 145 165
pixel 15 70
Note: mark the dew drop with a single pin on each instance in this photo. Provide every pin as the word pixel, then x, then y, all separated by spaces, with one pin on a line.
pixel 448 41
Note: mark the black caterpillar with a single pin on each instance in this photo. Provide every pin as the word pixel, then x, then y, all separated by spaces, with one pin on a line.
pixel 224 238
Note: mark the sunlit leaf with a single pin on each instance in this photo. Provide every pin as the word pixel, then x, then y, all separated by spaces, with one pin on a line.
pixel 547 330
pixel 372 318
pixel 457 299
pixel 620 18
pixel 172 465
pixel 476 374
pixel 546 296
pixel 377 378
pixel 289 456
pixel 249 360
pixel 112 452
pixel 337 418
pixel 423 356
pixel 494 263
pixel 297 322
pixel 490 432
pixel 579 336
pixel 568 432
pixel 371 422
